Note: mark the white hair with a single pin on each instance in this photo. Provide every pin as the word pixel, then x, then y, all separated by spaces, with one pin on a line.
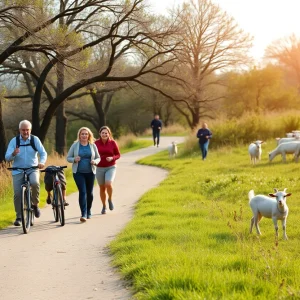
pixel 25 122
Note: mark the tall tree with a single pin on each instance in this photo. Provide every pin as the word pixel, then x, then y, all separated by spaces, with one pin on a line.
pixel 2 134
pixel 122 26
pixel 212 43
pixel 61 118
pixel 286 52
pixel 102 100
pixel 258 90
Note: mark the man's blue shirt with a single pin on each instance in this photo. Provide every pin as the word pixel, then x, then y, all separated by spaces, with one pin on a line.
pixel 27 157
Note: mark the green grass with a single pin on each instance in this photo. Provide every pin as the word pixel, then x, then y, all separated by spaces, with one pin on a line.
pixel 189 238
pixel 135 145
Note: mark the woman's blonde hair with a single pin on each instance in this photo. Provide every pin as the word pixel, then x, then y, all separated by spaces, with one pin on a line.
pixel 91 138
pixel 108 129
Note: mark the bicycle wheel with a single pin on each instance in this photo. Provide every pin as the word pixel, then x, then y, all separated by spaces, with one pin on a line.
pixel 32 213
pixel 25 210
pixel 55 207
pixel 60 204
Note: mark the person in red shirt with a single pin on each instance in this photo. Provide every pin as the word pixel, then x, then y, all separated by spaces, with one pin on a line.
pixel 106 169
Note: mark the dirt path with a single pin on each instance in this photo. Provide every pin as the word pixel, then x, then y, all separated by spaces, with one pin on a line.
pixel 71 262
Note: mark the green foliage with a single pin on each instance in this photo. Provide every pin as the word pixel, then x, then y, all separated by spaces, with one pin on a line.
pixel 171 130
pixel 291 123
pixel 245 130
pixel 259 90
pixel 130 143
pixel 189 238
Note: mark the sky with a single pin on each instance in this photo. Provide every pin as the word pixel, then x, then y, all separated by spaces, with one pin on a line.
pixel 265 20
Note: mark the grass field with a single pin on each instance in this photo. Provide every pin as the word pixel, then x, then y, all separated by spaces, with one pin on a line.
pixel 189 238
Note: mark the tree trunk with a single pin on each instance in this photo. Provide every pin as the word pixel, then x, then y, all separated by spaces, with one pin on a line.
pixel 61 119
pixel 2 136
pixel 98 99
pixel 195 118
pixel 60 130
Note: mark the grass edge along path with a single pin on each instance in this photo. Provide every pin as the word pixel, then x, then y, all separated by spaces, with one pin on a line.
pixel 7 215
pixel 189 238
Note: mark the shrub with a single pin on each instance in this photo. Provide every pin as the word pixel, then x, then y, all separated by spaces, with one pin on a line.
pixel 171 130
pixel 248 128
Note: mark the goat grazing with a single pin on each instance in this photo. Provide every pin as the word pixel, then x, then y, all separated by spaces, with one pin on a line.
pixel 172 149
pixel 254 150
pixel 285 148
pixel 263 206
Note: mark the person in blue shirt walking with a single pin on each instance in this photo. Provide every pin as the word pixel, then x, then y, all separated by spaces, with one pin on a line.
pixel 204 135
pixel 156 125
pixel 26 157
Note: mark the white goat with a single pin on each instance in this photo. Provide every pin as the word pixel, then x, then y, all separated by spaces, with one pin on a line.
pixel 297 153
pixel 263 206
pixel 255 151
pixel 285 148
pixel 172 149
pixel 288 139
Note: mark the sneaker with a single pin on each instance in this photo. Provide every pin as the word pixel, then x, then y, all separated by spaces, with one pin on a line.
pixel 37 212
pixel 103 212
pixel 18 222
pixel 66 203
pixel 89 216
pixel 82 219
pixel 49 199
pixel 110 204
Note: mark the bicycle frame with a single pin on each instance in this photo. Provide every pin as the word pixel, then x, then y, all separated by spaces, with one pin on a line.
pixel 28 199
pixel 57 203
pixel 27 215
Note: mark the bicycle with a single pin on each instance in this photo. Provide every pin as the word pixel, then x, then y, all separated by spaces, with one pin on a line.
pixel 27 214
pixel 57 202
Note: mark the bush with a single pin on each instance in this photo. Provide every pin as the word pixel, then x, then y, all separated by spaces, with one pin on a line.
pixel 291 123
pixel 126 141
pixel 171 130
pixel 248 128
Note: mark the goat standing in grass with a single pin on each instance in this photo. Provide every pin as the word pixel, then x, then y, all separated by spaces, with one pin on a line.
pixel 263 206
pixel 284 149
pixel 172 149
pixel 254 150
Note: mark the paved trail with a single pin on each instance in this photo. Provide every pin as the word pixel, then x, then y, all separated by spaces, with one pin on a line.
pixel 71 262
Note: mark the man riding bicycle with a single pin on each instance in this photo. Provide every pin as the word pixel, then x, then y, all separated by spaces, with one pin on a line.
pixel 23 150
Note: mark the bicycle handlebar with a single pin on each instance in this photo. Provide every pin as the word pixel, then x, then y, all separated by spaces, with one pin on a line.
pixel 23 169
pixel 54 168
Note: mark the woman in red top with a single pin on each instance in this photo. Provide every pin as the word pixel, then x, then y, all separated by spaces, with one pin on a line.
pixel 106 169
